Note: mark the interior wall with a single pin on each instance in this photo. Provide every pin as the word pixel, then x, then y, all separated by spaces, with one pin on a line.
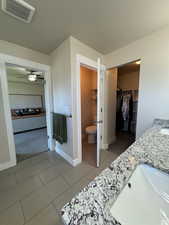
pixel 25 88
pixel 88 103
pixel 128 81
pixel 64 88
pixel 78 47
pixel 153 51
pixel 109 135
pixel 24 53
pixel 4 151
pixel 61 77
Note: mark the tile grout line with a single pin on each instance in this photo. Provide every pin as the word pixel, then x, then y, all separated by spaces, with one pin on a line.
pixel 50 203
pixel 27 221
pixel 43 184
pixel 13 203
pixel 22 211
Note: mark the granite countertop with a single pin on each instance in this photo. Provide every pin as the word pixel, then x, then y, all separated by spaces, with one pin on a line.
pixel 15 117
pixel 90 206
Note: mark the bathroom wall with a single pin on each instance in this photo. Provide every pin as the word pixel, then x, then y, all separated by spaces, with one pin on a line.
pixel 88 103
pixel 64 75
pixel 76 48
pixel 61 81
pixel 153 51
pixel 24 53
pixel 4 153
pixel 109 135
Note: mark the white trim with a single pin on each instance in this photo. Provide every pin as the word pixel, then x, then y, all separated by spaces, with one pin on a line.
pixel 73 162
pixel 7 165
pixel 7 59
pixel 106 145
pixel 80 60
pixel 8 121
pixel 139 93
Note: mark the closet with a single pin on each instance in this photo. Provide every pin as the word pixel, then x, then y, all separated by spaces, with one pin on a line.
pixel 127 98
pixel 126 114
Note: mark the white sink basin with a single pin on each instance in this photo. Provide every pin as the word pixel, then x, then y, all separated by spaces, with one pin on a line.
pixel 145 199
pixel 164 131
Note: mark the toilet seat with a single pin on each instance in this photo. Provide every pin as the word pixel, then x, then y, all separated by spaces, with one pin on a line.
pixel 91 129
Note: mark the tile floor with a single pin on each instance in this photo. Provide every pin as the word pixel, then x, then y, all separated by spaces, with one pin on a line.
pixel 89 153
pixel 33 192
pixel 30 143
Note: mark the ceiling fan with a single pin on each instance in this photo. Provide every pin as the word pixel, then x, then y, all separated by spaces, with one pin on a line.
pixel 34 75
pixel 31 75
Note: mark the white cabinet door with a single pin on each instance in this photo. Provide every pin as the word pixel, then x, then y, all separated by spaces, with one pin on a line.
pixel 29 123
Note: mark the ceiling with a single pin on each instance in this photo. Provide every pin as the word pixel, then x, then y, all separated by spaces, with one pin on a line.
pixel 105 25
pixel 20 75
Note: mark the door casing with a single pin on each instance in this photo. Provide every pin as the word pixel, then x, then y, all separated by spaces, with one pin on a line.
pixel 7 59
pixel 82 60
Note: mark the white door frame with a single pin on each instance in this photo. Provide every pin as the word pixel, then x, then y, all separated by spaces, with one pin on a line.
pixel 7 59
pixel 139 92
pixel 82 60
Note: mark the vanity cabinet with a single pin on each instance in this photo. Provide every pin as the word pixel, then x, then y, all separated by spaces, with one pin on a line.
pixel 25 124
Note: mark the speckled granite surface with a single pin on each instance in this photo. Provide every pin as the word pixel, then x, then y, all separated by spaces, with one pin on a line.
pixel 91 205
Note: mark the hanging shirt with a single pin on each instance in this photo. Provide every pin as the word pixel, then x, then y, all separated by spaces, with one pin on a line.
pixel 126 106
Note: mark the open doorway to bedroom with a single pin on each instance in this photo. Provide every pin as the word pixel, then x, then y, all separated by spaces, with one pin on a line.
pixel 26 91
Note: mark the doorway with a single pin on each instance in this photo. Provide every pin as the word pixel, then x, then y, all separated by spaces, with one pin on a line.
pixel 125 100
pixel 88 87
pixel 77 125
pixel 6 60
pixel 26 92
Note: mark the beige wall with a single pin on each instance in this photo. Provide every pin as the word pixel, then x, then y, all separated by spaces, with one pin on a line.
pixel 78 47
pixel 64 88
pixel 88 104
pixel 4 149
pixel 110 107
pixel 25 53
pixel 153 50
pixel 128 81
pixel 61 77
pixel 25 88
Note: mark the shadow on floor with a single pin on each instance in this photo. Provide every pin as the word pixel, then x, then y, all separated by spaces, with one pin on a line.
pixel 30 144
pixel 123 141
pixel 21 157
pixel 89 153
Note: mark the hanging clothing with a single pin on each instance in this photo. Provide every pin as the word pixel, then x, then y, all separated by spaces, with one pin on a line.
pixel 126 106
pixel 124 110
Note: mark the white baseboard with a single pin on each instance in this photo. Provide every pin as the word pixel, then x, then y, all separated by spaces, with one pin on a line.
pixel 7 165
pixel 76 162
pixel 106 146
pixel 68 158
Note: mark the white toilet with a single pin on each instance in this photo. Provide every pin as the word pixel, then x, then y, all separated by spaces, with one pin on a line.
pixel 91 131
